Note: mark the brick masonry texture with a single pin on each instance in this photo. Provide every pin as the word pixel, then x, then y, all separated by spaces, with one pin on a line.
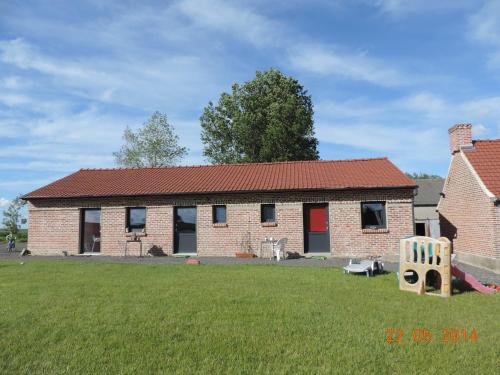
pixel 459 134
pixel 55 223
pixel 469 218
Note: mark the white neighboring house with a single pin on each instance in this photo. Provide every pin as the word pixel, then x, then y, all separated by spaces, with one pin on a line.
pixel 425 207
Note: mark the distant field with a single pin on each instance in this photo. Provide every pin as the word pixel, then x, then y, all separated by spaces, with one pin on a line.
pixel 99 318
pixel 22 236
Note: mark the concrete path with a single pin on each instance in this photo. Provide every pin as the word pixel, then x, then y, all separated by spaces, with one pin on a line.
pixel 19 247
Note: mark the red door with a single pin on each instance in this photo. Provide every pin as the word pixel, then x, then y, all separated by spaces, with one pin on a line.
pixel 316 234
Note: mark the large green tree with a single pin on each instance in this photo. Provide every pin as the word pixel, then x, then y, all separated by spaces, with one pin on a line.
pixel 12 215
pixel 154 145
pixel 269 118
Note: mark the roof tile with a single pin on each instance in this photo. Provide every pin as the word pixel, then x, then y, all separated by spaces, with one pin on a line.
pixel 485 158
pixel 283 176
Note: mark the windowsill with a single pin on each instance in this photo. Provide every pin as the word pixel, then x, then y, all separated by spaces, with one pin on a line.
pixel 219 225
pixel 136 234
pixel 373 230
pixel 270 224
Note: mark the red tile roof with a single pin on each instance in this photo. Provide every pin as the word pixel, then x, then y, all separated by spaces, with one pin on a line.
pixel 285 176
pixel 485 158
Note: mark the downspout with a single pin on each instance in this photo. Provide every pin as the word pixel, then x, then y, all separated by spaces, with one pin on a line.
pixel 415 192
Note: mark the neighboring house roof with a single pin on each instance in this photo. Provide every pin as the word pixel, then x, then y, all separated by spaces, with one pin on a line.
pixel 428 191
pixel 300 175
pixel 485 159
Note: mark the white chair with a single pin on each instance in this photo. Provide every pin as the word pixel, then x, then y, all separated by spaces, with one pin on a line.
pixel 364 266
pixel 279 248
pixel 95 240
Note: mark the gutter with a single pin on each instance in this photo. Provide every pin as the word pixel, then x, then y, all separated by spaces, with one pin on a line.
pixel 28 198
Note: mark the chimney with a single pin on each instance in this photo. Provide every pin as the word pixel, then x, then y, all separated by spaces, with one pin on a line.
pixel 460 135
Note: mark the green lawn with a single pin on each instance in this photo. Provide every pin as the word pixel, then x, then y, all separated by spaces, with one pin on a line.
pixel 82 317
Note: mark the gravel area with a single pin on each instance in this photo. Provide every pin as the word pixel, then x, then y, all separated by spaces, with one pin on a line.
pixel 483 275
pixel 19 247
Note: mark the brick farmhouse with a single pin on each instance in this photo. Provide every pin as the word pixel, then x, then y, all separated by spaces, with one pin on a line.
pixel 469 206
pixel 344 208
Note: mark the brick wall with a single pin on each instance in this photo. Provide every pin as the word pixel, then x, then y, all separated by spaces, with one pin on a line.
pixel 53 230
pixel 54 224
pixel 468 216
pixel 459 135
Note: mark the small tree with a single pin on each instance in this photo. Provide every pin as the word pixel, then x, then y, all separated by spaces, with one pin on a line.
pixel 154 145
pixel 12 215
pixel 422 175
pixel 269 118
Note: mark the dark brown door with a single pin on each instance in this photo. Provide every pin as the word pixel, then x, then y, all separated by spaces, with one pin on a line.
pixel 316 228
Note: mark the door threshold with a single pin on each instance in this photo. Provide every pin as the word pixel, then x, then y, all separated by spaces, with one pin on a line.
pixel 185 255
pixel 88 254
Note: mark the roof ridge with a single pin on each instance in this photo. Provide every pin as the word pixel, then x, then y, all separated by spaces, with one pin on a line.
pixel 233 164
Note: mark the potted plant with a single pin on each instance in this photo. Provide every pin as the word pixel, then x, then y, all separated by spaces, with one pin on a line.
pixel 246 250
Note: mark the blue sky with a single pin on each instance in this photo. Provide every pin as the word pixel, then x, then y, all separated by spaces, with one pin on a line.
pixel 387 77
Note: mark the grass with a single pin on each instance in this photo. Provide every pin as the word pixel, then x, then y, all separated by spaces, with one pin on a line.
pixel 81 317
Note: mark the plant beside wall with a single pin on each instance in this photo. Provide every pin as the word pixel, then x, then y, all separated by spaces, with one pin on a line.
pixel 246 250
pixel 12 219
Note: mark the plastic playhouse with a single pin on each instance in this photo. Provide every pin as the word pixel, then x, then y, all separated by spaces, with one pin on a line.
pixel 425 261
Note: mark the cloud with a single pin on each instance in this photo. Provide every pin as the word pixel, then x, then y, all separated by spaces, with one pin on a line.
pixel 485 23
pixel 110 79
pixel 478 130
pixel 411 130
pixel 484 27
pixel 13 100
pixel 13 83
pixel 323 60
pixel 18 52
pixel 234 20
pixel 4 202
pixel 240 21
pixel 405 7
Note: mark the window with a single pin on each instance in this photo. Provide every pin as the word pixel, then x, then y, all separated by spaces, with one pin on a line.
pixel 267 213
pixel 420 229
pixel 373 215
pixel 136 219
pixel 219 214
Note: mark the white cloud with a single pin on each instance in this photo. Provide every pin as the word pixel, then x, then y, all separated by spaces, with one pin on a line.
pixel 233 19
pixel 21 54
pixel 431 106
pixel 478 130
pixel 485 23
pixel 13 83
pixel 13 100
pixel 240 21
pixel 484 26
pixel 405 7
pixel 325 60
pixel 4 202
pixel 410 130
pixel 138 83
